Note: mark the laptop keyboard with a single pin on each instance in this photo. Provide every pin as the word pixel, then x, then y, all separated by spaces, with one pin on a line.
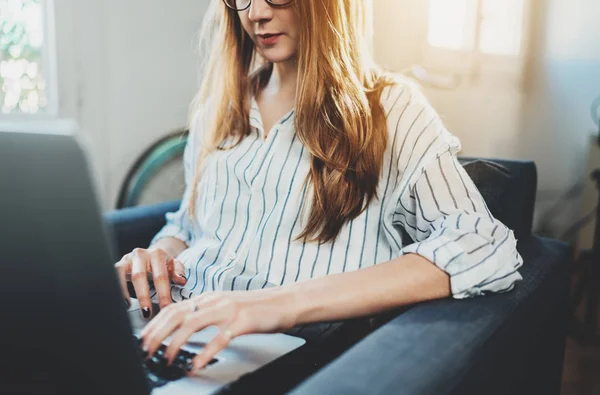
pixel 158 372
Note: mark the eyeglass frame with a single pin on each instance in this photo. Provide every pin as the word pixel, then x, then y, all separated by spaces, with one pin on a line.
pixel 250 3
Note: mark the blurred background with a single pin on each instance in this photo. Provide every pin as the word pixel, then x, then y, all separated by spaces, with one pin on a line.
pixel 515 79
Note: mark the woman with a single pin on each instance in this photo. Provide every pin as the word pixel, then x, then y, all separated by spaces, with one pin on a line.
pixel 309 170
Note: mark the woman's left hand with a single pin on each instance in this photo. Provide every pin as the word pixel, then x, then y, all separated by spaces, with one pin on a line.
pixel 235 313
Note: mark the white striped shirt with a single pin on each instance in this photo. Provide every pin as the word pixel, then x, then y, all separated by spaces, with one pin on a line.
pixel 250 200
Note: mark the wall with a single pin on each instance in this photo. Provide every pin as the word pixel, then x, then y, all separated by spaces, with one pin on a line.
pixel 564 78
pixel 127 72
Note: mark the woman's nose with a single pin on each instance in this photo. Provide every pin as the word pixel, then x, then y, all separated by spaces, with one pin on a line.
pixel 259 11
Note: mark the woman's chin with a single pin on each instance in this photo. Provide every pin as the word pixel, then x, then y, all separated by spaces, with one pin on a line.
pixel 275 55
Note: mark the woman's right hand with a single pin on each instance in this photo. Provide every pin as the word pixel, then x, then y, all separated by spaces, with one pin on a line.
pixel 141 265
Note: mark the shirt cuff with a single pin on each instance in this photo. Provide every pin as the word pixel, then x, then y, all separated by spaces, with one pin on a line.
pixel 476 264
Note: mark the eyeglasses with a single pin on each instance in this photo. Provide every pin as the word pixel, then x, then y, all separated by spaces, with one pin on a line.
pixel 241 5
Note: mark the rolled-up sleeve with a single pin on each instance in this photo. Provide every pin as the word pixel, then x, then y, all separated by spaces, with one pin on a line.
pixel 444 213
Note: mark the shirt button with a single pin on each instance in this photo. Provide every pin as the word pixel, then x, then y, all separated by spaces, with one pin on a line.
pixel 232 255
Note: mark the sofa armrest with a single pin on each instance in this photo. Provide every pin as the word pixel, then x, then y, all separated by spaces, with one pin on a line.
pixel 136 226
pixel 509 343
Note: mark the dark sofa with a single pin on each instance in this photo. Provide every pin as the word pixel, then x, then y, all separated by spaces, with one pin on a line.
pixel 509 343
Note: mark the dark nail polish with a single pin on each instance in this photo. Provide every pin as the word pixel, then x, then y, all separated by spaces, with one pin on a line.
pixel 144 352
pixel 146 312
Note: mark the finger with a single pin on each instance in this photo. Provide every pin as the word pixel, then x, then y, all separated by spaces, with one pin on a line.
pixel 163 325
pixel 178 272
pixel 201 302
pixel 222 340
pixel 160 275
pixel 181 305
pixel 193 323
pixel 139 269
pixel 123 267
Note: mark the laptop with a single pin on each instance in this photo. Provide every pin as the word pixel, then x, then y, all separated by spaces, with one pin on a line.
pixel 64 327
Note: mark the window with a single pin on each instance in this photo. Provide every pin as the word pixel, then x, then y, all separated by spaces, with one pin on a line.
pixel 464 34
pixel 27 67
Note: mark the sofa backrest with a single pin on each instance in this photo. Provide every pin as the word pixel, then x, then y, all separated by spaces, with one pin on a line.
pixel 509 189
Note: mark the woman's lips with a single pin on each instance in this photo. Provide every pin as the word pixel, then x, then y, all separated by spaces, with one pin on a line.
pixel 269 39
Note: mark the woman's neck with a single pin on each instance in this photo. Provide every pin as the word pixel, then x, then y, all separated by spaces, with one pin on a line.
pixel 283 80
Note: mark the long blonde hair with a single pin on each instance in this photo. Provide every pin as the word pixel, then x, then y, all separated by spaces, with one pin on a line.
pixel 339 117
